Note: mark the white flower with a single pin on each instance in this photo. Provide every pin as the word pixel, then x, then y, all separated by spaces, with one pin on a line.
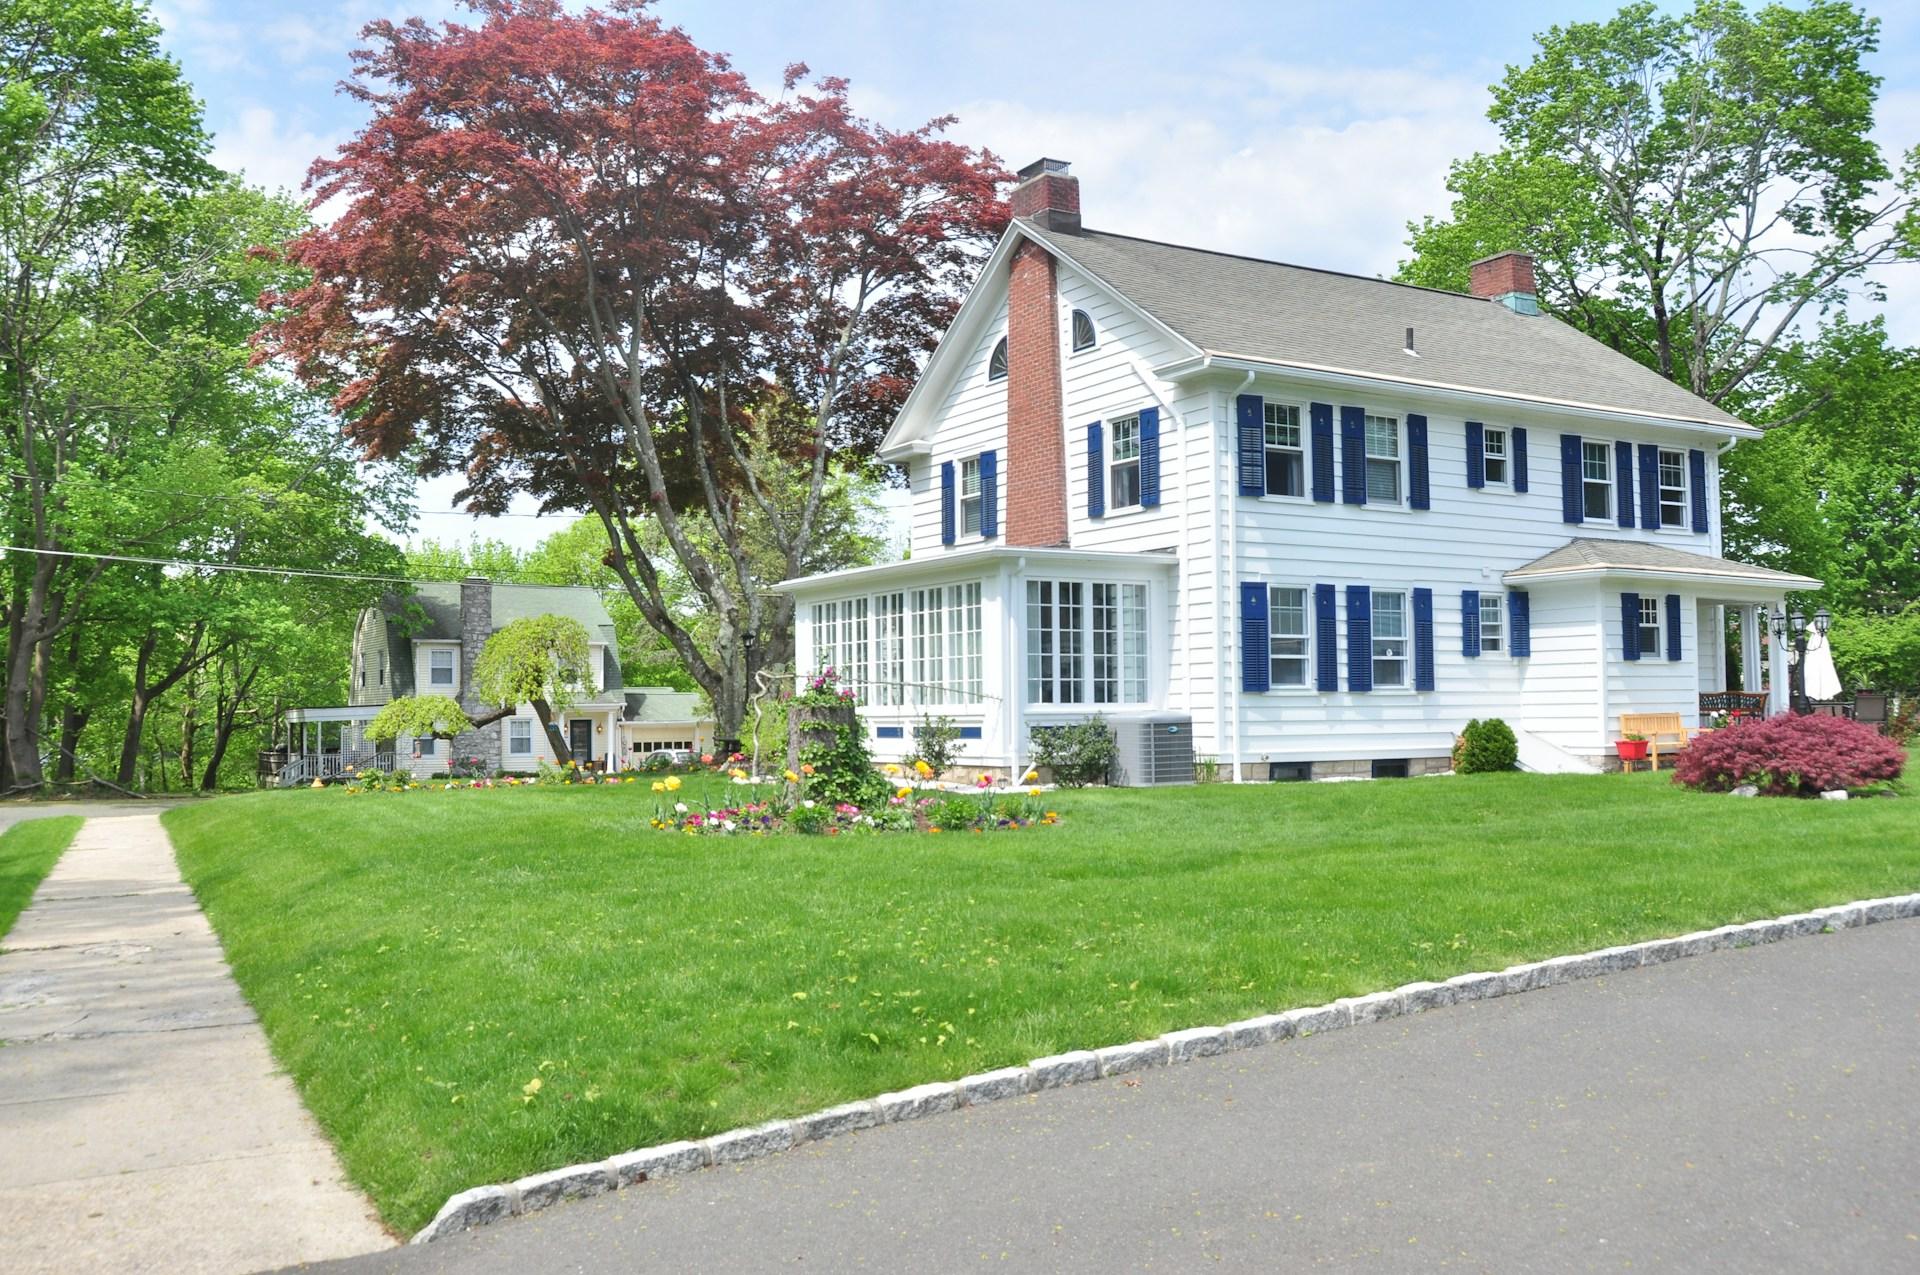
pixel 680 806
pixel 807 804
pixel 727 824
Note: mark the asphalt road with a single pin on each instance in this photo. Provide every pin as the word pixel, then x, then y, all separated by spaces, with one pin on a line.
pixel 1753 1110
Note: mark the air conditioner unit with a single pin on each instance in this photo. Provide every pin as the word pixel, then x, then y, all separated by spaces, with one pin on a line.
pixel 1156 751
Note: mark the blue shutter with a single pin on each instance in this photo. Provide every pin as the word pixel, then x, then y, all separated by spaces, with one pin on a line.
pixel 1517 462
pixel 1697 481
pixel 1623 485
pixel 1353 455
pixel 1423 639
pixel 1469 622
pixel 1359 638
pixel 1570 502
pixel 1519 625
pixel 989 494
pixel 1418 494
pixel 1096 473
pixel 1326 637
pixel 1673 626
pixel 1255 652
pixel 1476 454
pixel 1649 485
pixel 946 502
pixel 1250 430
pixel 1149 457
pixel 1630 626
pixel 1321 415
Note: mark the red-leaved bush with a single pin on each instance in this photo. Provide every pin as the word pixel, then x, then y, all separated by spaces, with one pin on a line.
pixel 1790 756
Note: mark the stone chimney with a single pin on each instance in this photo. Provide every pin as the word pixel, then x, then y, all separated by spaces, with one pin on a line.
pixel 1507 277
pixel 476 626
pixel 1049 195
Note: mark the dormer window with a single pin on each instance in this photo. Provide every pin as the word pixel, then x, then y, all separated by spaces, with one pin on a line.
pixel 1082 331
pixel 440 668
pixel 997 364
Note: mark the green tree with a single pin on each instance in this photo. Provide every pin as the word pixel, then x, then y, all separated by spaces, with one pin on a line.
pixel 543 660
pixel 419 716
pixel 1692 186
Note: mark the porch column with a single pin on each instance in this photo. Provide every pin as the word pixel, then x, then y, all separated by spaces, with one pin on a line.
pixel 1778 694
pixel 1750 647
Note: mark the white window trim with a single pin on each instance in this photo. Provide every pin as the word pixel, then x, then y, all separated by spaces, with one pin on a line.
pixel 1399 459
pixel 1307 681
pixel 1686 492
pixel 1499 609
pixel 1123 649
pixel 978 500
pixel 1653 602
pixel 1405 639
pixel 453 666
pixel 1606 451
pixel 1302 451
pixel 1093 343
pixel 1505 457
pixel 513 722
pixel 1112 437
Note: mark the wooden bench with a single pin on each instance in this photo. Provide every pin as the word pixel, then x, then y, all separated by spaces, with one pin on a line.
pixel 1656 727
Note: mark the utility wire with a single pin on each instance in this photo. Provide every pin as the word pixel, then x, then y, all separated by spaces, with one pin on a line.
pixel 270 497
pixel 207 566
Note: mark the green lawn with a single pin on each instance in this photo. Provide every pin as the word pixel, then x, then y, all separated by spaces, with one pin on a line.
pixel 27 853
pixel 418 959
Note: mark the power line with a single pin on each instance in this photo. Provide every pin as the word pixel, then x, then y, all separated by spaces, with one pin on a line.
pixel 207 566
pixel 265 497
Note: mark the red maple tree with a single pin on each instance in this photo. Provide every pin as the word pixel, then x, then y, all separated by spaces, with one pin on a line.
pixel 581 257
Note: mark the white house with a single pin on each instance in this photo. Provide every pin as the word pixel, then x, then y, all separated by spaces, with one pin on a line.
pixel 1326 518
pixel 423 644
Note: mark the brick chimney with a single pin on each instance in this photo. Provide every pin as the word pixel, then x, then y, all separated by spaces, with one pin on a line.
pixel 1048 195
pixel 1507 277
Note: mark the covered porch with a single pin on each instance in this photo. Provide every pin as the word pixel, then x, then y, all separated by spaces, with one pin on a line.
pixel 324 744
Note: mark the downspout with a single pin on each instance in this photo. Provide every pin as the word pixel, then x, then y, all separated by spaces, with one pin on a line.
pixel 1232 505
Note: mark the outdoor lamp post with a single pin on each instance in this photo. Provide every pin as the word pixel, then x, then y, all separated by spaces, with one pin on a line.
pixel 1793 626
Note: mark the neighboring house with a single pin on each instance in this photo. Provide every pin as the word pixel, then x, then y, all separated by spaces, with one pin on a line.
pixel 423 644
pixel 1326 518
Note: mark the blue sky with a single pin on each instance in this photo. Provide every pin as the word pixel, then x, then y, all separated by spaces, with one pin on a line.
pixel 1307 132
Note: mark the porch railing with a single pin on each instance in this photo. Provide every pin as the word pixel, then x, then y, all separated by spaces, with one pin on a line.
pixel 301 769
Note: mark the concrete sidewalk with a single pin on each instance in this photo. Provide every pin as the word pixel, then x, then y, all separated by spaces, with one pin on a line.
pixel 143 1123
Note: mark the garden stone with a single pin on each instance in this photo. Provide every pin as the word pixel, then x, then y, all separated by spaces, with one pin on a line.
pixel 736 1145
pixel 1908 906
pixel 1195 1042
pixel 921 1100
pixel 1320 1018
pixel 1875 911
pixel 845 1118
pixel 1373 1007
pixel 1519 978
pixel 992 1086
pixel 575 1182
pixel 1746 790
pixel 1802 924
pixel 1064 1069
pixel 1418 997
pixel 1842 916
pixel 1472 987
pixel 669 1159
pixel 1116 1060
pixel 1660 951
pixel 1835 794
pixel 477 1206
pixel 1250 1033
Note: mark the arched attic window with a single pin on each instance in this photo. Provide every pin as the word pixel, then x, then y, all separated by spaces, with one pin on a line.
pixel 1082 331
pixel 997 364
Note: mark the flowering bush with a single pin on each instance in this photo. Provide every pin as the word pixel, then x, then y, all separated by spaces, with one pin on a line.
pixel 1790 755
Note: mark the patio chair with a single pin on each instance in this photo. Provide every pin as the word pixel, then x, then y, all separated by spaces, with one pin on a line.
pixel 1870 708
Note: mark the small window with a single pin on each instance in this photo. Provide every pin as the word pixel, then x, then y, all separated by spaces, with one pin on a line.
pixel 1082 331
pixel 520 737
pixel 383 668
pixel 1383 459
pixel 1596 480
pixel 1389 768
pixel 997 364
pixel 1389 639
pixel 1493 454
pixel 1289 772
pixel 1286 465
pixel 970 496
pixel 1673 489
pixel 1123 486
pixel 1287 636
pixel 1493 628
pixel 363 670
pixel 1650 626
pixel 440 668
pixel 426 745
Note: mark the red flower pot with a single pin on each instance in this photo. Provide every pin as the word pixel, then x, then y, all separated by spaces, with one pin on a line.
pixel 1631 749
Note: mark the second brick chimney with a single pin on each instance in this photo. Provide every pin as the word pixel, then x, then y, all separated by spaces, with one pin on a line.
pixel 1048 194
pixel 1506 277
pixel 1036 424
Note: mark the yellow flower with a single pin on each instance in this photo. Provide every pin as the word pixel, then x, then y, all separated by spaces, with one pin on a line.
pixel 791 777
pixel 890 769
pixel 904 793
pixel 673 783
pixel 1033 792
pixel 1031 776
pixel 737 773
pixel 658 786
pixel 926 771
pixel 985 778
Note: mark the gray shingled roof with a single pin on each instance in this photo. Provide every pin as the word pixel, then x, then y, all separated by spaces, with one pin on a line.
pixel 1586 555
pixel 439 603
pixel 1272 312
pixel 663 704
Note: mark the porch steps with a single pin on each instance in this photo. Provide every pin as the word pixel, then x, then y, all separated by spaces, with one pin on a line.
pixel 1543 758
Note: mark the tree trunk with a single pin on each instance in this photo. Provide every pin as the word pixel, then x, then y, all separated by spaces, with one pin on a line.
pixel 817 724
pixel 226 713
pixel 72 722
pixel 555 740
pixel 189 727
pixel 23 744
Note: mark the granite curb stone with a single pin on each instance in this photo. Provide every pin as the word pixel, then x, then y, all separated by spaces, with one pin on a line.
pixel 483 1205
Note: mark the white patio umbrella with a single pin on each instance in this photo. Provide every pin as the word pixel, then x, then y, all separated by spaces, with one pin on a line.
pixel 1822 680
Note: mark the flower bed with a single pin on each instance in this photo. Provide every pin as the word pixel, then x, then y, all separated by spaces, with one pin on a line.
pixel 787 806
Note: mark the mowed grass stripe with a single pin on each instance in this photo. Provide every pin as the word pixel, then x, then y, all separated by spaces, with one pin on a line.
pixel 419 959
pixel 28 852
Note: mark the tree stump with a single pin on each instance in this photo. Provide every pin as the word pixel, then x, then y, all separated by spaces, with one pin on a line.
pixel 817 724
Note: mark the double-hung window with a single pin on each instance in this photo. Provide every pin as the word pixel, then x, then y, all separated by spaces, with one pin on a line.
pixel 1673 488
pixel 1286 464
pixel 1596 480
pixel 440 668
pixel 1123 486
pixel 1650 626
pixel 520 737
pixel 426 745
pixel 1287 636
pixel 970 496
pixel 1383 459
pixel 1493 626
pixel 1389 639
pixel 1493 456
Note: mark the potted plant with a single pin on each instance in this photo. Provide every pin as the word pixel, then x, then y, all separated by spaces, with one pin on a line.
pixel 1631 747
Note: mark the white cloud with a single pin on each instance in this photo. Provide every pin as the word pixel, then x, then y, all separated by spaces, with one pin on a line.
pixel 270 150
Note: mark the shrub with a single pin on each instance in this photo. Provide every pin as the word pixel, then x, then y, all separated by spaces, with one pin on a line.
pixel 1901 727
pixel 954 814
pixel 1790 755
pixel 810 817
pixel 935 741
pixel 1078 754
pixel 1486 746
